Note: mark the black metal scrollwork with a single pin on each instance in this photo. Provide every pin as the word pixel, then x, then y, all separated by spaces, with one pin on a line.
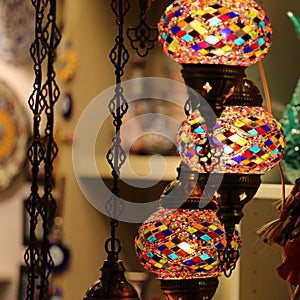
pixel 42 149
pixel 142 37
pixel 118 107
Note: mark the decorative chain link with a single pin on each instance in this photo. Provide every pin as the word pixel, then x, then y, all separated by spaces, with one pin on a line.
pixel 118 107
pixel 42 149
pixel 143 37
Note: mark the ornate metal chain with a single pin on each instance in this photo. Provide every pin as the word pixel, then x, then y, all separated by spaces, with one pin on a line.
pixel 143 37
pixel 42 149
pixel 118 107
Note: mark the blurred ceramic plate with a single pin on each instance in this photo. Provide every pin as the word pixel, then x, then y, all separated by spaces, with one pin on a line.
pixel 16 30
pixel 14 135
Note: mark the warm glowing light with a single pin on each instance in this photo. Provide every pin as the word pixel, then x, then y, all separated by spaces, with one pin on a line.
pixel 245 140
pixel 182 243
pixel 229 32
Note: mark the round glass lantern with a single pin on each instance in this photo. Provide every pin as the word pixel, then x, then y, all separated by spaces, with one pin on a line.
pixel 183 244
pixel 228 32
pixel 244 140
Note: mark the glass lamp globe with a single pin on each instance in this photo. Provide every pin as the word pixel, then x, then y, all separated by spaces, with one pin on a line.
pixel 228 32
pixel 245 140
pixel 182 244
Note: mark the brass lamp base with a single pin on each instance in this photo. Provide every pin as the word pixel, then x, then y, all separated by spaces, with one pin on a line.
pixel 189 289
pixel 112 284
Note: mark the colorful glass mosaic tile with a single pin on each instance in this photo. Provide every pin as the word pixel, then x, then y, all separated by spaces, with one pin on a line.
pixel 235 32
pixel 245 140
pixel 189 250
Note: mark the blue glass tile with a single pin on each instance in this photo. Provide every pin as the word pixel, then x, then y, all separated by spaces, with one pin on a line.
pixel 266 128
pixel 151 239
pixel 204 256
pixel 189 262
pixel 175 29
pixel 219 231
pixel 167 232
pixel 232 14
pixel 219 246
pixel 214 21
pixel 238 158
pixel 162 247
pixel 187 37
pixel 150 254
pixel 260 41
pixel 262 24
pixel 164 36
pixel 268 142
pixel 198 148
pixel 239 41
pixel 226 31
pixel 205 237
pixel 253 132
pixel 199 130
pixel 247 49
pixel 178 13
pixel 173 256
pixel 255 149
pixel 196 47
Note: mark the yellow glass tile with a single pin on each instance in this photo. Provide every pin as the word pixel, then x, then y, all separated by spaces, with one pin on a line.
pixel 218 52
pixel 172 48
pixel 253 13
pixel 245 120
pixel 242 142
pixel 247 29
pixel 213 227
pixel 200 12
pixel 252 33
pixel 258 161
pixel 203 51
pixel 265 156
pixel 226 48
pixel 239 123
pixel 163 227
pixel 210 10
pixel 186 247
pixel 220 137
pixel 258 52
pixel 234 27
pixel 158 265
pixel 198 27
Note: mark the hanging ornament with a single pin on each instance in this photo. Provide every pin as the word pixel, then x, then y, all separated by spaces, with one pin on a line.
pixel 285 232
pixel 14 135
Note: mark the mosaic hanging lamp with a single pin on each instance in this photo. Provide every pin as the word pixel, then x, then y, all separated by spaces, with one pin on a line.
pixel 182 245
pixel 215 41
